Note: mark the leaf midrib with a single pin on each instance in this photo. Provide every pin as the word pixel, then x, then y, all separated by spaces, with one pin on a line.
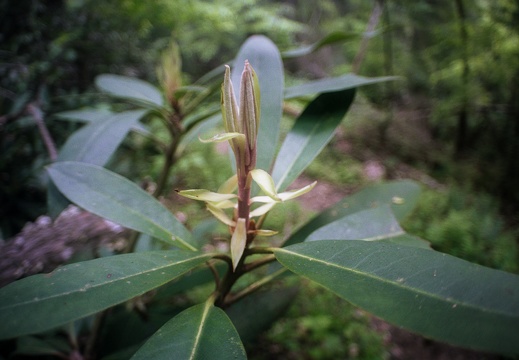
pixel 115 281
pixel 394 284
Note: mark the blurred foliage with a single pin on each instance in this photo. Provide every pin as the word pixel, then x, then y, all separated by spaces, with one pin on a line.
pixel 466 225
pixel 320 325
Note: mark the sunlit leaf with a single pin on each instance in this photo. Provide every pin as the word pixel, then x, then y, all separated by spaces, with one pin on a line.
pixel 42 302
pixel 433 294
pixel 129 88
pixel 200 332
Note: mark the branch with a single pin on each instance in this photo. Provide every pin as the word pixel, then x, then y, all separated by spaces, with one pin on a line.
pixel 37 114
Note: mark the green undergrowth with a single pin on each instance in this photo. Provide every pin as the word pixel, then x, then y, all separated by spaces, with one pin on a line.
pixel 466 225
pixel 320 325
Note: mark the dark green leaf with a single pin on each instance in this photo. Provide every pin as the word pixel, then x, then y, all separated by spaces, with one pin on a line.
pixel 250 322
pixel 265 58
pixel 200 332
pixel 371 224
pixel 433 294
pixel 115 198
pixel 96 142
pixel 348 81
pixel 42 302
pixel 401 195
pixel 310 134
pixel 130 88
pixel 330 39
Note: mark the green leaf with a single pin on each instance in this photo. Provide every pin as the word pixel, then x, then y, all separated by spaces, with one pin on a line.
pixel 347 81
pixel 200 332
pixel 115 198
pixel 130 88
pixel 368 225
pixel 88 116
pixel 81 289
pixel 330 39
pixel 433 294
pixel 250 322
pixel 310 134
pixel 96 142
pixel 265 58
pixel 401 195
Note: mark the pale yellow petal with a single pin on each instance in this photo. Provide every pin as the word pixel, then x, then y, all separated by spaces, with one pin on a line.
pixel 238 242
pixel 265 182
pixel 221 215
pixel 292 194
pixel 205 195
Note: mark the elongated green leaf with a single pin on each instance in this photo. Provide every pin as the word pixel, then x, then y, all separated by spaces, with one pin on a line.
pixel 89 115
pixel 347 81
pixel 310 134
pixel 265 58
pixel 115 198
pixel 433 294
pixel 130 88
pixel 96 142
pixel 401 195
pixel 200 332
pixel 369 225
pixel 330 39
pixel 42 302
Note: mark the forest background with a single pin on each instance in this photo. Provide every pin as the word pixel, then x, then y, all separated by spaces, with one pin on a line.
pixel 451 121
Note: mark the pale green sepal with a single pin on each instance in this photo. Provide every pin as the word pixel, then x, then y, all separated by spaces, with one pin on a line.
pixel 265 232
pixel 249 105
pixel 223 137
pixel 263 199
pixel 229 104
pixel 292 194
pixel 284 196
pixel 221 215
pixel 265 182
pixel 238 242
pixel 205 195
pixel 229 186
pixel 262 210
pixel 226 204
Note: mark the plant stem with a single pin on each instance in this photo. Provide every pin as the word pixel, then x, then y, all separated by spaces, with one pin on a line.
pixel 259 263
pixel 175 131
pixel 253 287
